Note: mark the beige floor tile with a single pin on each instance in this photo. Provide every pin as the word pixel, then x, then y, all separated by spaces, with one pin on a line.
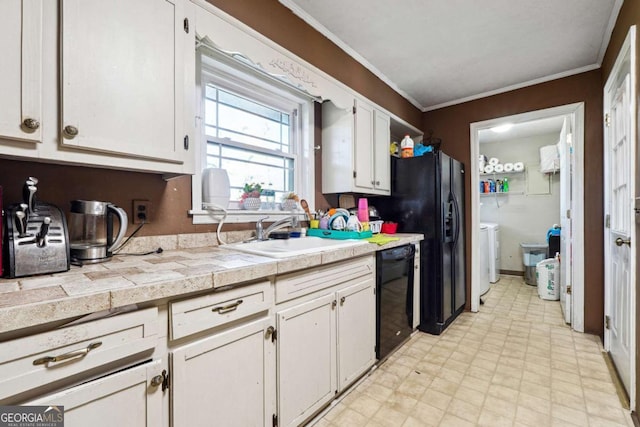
pixel 402 403
pixel 450 420
pixel 414 388
pixel 436 399
pixel 463 409
pixel 427 414
pixel 389 416
pixel 351 418
pixel 491 419
pixel 531 417
pixel 365 405
pixel 536 390
pixel 470 395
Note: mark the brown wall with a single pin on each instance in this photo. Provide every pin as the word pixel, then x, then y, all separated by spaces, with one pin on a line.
pixel 171 200
pixel 452 125
pixel 629 15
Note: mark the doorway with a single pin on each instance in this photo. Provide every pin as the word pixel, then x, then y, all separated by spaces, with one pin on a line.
pixel 574 113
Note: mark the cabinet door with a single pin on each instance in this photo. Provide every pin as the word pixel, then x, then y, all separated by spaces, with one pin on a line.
pixel 356 331
pixel 227 379
pixel 382 157
pixel 363 146
pixel 126 398
pixel 21 83
pixel 121 77
pixel 306 359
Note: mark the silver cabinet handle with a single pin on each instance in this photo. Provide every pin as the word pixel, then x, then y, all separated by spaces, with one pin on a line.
pixel 342 300
pixel 31 124
pixel 70 131
pixel 334 303
pixel 70 355
pixel 227 308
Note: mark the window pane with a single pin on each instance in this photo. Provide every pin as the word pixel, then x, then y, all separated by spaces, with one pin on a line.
pixel 274 171
pixel 242 122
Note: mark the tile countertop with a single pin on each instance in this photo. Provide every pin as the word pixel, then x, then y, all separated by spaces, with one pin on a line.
pixel 128 279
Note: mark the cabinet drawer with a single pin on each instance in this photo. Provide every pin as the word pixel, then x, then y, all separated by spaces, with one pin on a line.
pixel 38 360
pixel 215 309
pixel 294 285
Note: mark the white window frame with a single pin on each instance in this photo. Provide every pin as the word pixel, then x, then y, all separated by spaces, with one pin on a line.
pixel 229 73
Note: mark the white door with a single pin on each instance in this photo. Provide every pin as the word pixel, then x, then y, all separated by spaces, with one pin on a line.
pixel 21 83
pixel 566 161
pixel 122 77
pixel 619 108
pixel 382 160
pixel 306 359
pixel 363 146
pixel 356 331
pixel 205 394
pixel 127 398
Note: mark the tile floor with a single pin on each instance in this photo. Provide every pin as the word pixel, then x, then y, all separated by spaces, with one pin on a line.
pixel 515 363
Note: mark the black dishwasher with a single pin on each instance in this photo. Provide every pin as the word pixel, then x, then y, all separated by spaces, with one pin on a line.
pixel 394 298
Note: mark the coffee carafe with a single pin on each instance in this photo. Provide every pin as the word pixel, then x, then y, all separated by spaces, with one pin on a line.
pixel 91 230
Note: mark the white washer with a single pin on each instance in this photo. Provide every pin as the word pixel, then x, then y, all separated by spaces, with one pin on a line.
pixel 484 259
pixel 494 250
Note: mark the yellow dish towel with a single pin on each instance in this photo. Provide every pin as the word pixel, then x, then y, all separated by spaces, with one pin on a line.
pixel 381 239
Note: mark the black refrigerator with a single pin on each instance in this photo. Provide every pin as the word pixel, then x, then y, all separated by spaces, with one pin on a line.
pixel 428 198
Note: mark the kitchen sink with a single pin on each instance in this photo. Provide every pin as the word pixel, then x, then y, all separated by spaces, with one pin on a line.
pixel 285 248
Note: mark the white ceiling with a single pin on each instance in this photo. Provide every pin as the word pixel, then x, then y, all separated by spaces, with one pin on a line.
pixel 442 52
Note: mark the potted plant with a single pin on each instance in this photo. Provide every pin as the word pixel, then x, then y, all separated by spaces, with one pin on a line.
pixel 289 201
pixel 250 198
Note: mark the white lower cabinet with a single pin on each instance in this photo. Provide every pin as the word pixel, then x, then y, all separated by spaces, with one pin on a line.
pixel 127 398
pixel 306 359
pixel 356 331
pixel 227 379
pixel 325 342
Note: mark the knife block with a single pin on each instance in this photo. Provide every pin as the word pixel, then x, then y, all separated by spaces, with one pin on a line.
pixel 23 256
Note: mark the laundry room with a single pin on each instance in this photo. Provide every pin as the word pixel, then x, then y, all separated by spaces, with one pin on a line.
pixel 520 198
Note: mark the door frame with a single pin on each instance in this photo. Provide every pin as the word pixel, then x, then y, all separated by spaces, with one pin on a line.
pixel 627 50
pixel 576 113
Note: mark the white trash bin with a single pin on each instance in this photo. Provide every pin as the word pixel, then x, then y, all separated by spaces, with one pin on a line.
pixel 548 278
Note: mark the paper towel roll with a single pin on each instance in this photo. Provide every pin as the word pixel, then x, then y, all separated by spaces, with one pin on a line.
pixel 498 168
pixel 518 167
pixel 488 169
pixel 508 167
pixel 494 161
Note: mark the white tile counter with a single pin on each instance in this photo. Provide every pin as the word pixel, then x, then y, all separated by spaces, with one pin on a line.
pixel 181 268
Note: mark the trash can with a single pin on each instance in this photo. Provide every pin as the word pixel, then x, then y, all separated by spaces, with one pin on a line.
pixel 532 254
pixel 548 275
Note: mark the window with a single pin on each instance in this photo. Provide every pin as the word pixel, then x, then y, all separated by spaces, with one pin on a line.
pixel 253 142
pixel 258 130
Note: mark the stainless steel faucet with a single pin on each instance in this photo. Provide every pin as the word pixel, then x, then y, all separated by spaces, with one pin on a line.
pixel 262 234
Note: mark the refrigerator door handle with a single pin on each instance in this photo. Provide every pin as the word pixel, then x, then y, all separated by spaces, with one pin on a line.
pixel 456 220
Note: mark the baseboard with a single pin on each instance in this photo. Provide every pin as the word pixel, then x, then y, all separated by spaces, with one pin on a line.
pixel 512 272
pixel 617 382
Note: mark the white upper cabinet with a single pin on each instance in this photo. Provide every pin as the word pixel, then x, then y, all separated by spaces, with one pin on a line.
pixel 95 83
pixel 355 149
pixel 121 77
pixel 21 82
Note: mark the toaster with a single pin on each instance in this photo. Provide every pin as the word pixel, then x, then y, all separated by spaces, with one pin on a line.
pixel 36 240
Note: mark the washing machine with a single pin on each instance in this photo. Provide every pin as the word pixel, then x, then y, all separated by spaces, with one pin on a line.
pixel 493 236
pixel 484 259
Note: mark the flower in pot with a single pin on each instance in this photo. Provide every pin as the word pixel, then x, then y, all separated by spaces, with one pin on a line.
pixel 250 198
pixel 289 201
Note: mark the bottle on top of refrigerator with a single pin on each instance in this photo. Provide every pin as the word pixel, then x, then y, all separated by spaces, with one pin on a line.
pixel 406 147
pixel 505 185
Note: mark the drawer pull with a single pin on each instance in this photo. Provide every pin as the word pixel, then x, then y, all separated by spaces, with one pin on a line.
pixel 227 308
pixel 70 355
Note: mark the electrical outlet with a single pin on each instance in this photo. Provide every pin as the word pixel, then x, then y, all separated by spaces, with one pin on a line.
pixel 141 211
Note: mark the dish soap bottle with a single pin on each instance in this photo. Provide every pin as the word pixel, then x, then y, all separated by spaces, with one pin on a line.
pixel 406 147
